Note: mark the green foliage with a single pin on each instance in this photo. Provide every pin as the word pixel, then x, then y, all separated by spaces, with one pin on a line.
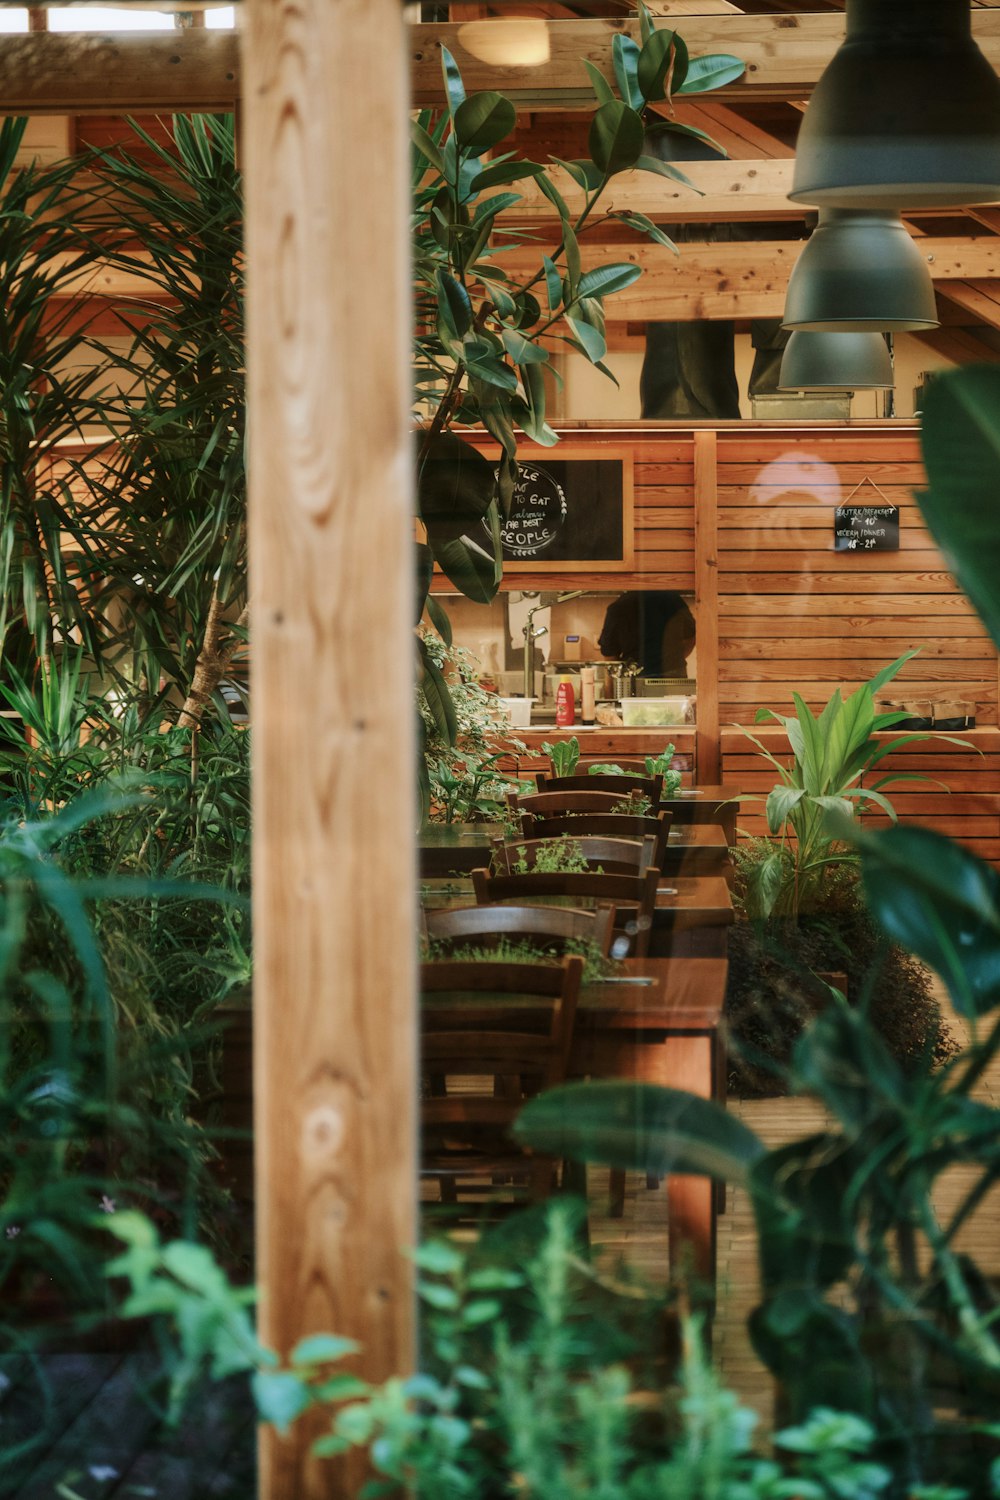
pixel 558 856
pixel 564 755
pixel 831 754
pixel 483 341
pixel 461 734
pixel 596 964
pixel 529 1382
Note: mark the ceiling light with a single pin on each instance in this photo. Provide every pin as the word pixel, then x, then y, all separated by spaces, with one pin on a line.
pixel 860 270
pixel 906 114
pixel 836 362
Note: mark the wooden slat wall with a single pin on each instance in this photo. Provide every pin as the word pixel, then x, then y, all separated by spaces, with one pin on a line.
pixel 793 615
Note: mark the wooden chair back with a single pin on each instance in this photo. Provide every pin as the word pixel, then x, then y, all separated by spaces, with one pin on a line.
pixel 549 928
pixel 622 786
pixel 654 830
pixel 493 1035
pixel 633 896
pixel 559 804
pixel 613 856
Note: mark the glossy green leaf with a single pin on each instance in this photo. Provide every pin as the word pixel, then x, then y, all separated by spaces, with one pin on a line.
pixel 780 802
pixel 425 572
pixel 437 696
pixel 454 303
pixel 961 450
pixel 549 189
pixel 470 567
pixel 606 280
pixel 454 486
pixel 641 222
pixel 663 65
pixel 427 146
pixel 438 616
pixel 322 1348
pixel 664 169
pixel 553 283
pixel 625 61
pixel 483 120
pixel 586 174
pixel 499 173
pixel 943 904
pixel 640 1126
pixel 574 264
pixel 674 127
pixel 522 351
pixel 616 138
pixel 591 341
pixel 711 72
pixel 453 85
pixel 603 91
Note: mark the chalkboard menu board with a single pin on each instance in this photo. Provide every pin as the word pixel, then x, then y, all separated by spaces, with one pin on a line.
pixel 570 509
pixel 866 528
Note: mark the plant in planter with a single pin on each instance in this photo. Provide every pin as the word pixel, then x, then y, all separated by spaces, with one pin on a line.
pixel 464 777
pixel 800 894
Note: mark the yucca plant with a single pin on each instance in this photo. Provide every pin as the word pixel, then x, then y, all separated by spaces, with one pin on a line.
pixel 41 405
pixel 158 512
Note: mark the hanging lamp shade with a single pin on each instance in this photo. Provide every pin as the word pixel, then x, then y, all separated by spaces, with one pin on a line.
pixel 860 270
pixel 836 362
pixel 906 114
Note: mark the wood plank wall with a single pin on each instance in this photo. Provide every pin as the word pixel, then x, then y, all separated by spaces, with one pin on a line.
pixel 793 615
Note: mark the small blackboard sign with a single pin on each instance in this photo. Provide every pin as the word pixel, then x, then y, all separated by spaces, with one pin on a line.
pixel 573 508
pixel 866 528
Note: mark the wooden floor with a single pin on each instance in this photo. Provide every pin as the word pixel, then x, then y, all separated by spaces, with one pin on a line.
pixel 98 1434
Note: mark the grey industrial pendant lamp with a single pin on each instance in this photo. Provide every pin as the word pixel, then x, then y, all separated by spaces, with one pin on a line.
pixel 836 362
pixel 906 114
pixel 860 270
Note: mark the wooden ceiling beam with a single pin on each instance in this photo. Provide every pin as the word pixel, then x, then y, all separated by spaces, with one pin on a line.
pixel 49 72
pixel 722 190
pixel 980 298
pixel 960 345
pixel 784 55
pixel 746 279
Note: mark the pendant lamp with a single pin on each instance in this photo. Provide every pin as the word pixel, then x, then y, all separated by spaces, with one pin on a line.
pixel 906 114
pixel 860 270
pixel 836 362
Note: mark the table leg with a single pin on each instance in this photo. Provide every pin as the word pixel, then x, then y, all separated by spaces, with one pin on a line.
pixel 680 1062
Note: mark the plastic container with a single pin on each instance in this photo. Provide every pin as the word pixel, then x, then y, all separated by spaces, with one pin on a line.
pixel 641 713
pixel 518 711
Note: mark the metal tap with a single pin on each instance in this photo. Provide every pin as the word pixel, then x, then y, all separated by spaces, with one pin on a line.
pixel 531 635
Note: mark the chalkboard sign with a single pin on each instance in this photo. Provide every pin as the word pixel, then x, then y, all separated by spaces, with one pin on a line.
pixel 570 510
pixel 866 528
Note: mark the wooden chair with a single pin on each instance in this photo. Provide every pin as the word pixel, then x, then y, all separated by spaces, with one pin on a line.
pixel 549 928
pixel 623 786
pixel 481 1059
pixel 613 856
pixel 633 896
pixel 654 830
pixel 559 804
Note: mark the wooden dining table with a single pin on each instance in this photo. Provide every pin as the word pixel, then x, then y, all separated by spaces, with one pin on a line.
pixel 691 919
pixel 658 1020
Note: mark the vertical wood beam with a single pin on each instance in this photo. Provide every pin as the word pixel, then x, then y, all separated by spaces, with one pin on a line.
pixel 329 317
pixel 706 590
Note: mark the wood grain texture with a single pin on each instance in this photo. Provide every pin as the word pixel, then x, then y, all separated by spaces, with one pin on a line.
pixel 83 73
pixel 784 55
pixel 706 568
pixel 331 565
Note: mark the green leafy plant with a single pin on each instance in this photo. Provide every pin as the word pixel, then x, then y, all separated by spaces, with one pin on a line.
pixel 558 856
pixel 525 1385
pixel 461 734
pixel 832 753
pixel 564 755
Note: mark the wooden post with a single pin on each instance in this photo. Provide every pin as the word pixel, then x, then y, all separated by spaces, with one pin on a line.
pixel 325 132
pixel 706 588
